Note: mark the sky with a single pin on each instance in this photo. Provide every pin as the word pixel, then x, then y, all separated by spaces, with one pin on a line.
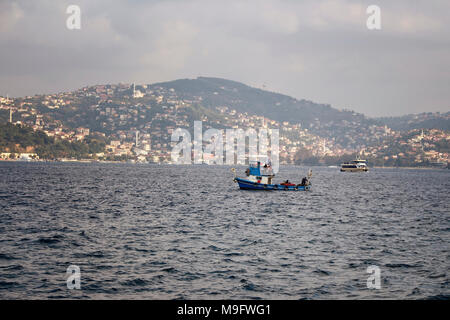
pixel 313 49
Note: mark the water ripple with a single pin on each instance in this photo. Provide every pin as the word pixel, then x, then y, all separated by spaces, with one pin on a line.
pixel 176 232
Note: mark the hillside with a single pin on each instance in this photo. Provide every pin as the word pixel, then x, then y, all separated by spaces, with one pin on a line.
pixel 96 108
pixel 122 114
pixel 17 139
pixel 221 92
pixel 426 120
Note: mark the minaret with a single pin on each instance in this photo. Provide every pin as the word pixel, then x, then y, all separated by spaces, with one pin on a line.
pixel 421 140
pixel 137 138
pixel 134 90
pixel 10 115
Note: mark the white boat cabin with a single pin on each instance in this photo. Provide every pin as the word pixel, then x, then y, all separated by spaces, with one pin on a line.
pixel 258 174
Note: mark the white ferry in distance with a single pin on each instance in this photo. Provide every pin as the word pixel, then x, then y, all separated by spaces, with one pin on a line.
pixel 354 166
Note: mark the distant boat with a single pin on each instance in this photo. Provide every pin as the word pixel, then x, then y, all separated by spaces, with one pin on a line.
pixel 356 165
pixel 439 164
pixel 261 179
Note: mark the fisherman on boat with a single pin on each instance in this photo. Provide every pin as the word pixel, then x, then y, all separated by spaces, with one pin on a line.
pixel 305 181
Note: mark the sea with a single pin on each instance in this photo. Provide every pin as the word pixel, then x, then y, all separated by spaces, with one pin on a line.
pixel 144 231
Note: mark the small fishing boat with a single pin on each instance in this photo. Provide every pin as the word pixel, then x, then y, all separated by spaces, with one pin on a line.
pixel 260 178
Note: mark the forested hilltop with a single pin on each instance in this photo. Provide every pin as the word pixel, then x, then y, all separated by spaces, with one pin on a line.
pixel 17 139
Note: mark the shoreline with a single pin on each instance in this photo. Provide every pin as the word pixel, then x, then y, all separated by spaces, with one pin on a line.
pixel 424 168
pixel 153 163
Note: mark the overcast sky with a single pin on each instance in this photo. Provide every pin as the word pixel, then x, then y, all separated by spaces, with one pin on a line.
pixel 316 50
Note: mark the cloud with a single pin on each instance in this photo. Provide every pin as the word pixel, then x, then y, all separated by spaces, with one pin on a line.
pixel 10 16
pixel 172 48
pixel 318 50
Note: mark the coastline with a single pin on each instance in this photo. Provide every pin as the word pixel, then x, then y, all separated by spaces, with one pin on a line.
pixel 156 163
pixel 423 168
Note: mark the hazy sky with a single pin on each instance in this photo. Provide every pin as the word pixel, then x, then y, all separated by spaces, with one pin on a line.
pixel 315 50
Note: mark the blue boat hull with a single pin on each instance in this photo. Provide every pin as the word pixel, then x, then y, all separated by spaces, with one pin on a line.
pixel 250 185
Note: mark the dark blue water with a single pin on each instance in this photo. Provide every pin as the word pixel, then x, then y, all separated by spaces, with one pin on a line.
pixel 166 232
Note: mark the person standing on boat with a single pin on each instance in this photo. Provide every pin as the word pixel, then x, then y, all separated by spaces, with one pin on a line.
pixel 304 181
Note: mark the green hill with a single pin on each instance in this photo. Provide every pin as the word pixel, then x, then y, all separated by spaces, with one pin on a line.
pixel 243 98
pixel 18 139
